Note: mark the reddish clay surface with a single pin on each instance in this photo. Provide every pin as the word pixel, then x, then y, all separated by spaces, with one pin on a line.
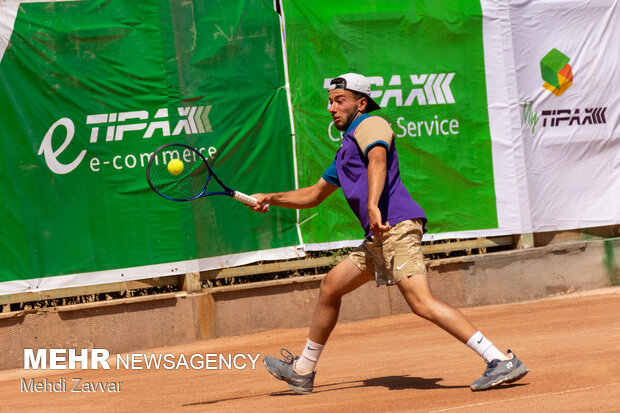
pixel 571 345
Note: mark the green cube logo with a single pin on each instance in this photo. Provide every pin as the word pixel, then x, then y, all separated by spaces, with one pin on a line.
pixel 556 72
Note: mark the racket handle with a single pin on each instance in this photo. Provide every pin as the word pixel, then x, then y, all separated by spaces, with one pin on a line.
pixel 246 199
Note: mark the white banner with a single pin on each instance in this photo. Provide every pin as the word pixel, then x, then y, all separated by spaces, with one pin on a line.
pixel 552 68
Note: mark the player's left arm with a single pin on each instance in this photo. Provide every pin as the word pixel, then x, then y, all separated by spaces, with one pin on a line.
pixel 377 171
pixel 374 137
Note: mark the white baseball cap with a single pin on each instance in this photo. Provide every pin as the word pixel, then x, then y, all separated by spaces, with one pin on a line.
pixel 354 82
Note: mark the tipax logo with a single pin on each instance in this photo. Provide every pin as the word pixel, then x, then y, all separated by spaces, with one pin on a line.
pixel 117 125
pixel 562 117
pixel 568 117
pixel 558 77
pixel 193 119
pixel 425 89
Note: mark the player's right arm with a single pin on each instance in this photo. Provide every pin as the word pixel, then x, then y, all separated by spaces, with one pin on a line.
pixel 301 198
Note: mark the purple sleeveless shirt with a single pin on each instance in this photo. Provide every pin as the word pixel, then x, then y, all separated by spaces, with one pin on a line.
pixel 351 165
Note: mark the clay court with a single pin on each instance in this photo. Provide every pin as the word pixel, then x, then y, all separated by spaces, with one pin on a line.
pixel 396 363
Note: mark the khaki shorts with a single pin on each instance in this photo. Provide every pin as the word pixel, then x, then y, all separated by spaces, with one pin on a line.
pixel 396 255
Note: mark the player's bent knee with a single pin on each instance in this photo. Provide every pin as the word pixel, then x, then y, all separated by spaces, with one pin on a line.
pixel 422 306
pixel 328 290
pixel 422 310
pixel 332 289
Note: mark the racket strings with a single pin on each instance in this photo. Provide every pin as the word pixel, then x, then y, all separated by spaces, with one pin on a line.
pixel 187 184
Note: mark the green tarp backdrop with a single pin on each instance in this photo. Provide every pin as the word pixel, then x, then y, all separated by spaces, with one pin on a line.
pixel 427 64
pixel 111 81
pixel 88 89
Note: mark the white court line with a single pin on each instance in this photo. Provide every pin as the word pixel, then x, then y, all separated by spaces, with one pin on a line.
pixel 523 398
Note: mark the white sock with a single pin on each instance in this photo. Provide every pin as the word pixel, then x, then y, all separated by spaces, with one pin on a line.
pixel 485 349
pixel 309 357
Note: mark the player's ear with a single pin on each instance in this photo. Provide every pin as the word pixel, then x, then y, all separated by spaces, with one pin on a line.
pixel 363 103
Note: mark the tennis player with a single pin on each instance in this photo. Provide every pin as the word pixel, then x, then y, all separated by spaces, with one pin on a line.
pixel 366 168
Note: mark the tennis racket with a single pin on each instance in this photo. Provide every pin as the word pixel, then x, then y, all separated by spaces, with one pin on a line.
pixel 180 173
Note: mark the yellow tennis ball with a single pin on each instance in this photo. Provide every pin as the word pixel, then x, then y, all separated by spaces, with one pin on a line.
pixel 175 166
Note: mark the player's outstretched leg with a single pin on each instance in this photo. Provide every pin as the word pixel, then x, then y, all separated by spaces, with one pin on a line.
pixel 500 368
pixel 500 371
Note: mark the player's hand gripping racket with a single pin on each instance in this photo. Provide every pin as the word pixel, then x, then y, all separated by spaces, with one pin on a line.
pixel 180 173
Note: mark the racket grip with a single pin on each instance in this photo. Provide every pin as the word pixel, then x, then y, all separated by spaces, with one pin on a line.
pixel 246 199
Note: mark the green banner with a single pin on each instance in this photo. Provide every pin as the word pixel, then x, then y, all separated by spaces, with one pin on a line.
pixel 426 61
pixel 90 89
